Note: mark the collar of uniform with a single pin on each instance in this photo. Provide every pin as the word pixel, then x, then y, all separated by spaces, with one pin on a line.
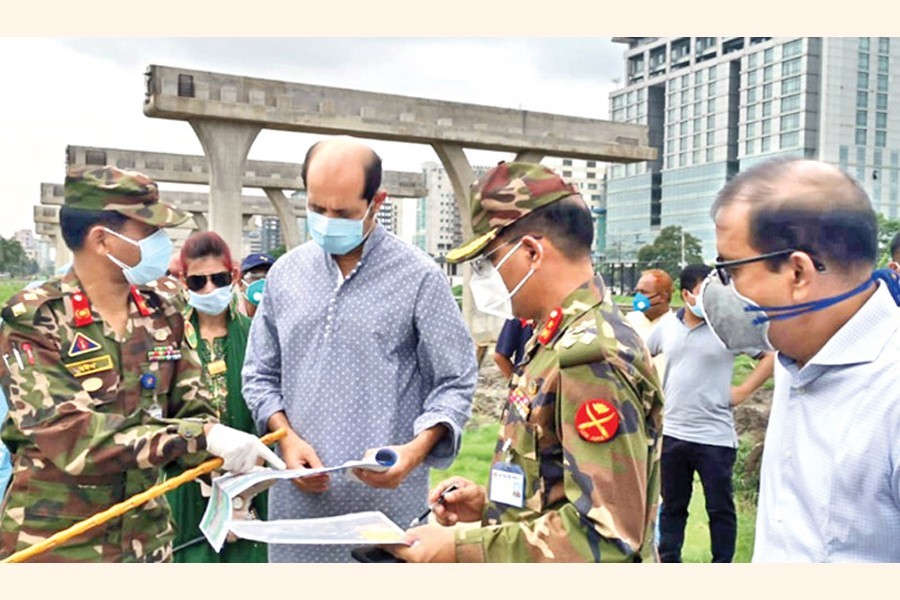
pixel 582 299
pixel 69 283
pixel 862 338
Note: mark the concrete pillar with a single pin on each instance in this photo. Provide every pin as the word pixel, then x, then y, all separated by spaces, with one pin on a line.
pixel 226 145
pixel 484 328
pixel 201 222
pixel 63 254
pixel 529 156
pixel 290 229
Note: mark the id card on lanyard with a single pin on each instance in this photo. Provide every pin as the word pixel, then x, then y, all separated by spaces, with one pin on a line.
pixel 507 484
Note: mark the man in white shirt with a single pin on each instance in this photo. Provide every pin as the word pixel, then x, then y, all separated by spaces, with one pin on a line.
pixel 653 294
pixel 797 242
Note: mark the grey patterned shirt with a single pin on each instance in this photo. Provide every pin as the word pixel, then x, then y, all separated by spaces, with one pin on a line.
pixel 356 363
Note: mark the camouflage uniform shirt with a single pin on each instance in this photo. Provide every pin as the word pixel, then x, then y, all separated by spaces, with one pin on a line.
pixel 83 431
pixel 583 500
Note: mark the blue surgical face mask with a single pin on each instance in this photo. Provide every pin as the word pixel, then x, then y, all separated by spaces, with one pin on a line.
pixel 696 307
pixel 336 236
pixel 254 292
pixel 213 303
pixel 641 302
pixel 156 250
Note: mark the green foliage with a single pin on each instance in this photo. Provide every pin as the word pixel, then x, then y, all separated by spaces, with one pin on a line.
pixel 475 456
pixel 746 485
pixel 278 251
pixel 665 251
pixel 887 229
pixel 742 366
pixel 13 259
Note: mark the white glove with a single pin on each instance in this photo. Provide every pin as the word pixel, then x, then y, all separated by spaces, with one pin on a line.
pixel 239 450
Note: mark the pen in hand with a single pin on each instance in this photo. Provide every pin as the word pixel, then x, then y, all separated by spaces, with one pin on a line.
pixel 440 500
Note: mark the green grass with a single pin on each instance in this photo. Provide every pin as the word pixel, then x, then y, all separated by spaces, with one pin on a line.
pixel 9 288
pixel 474 462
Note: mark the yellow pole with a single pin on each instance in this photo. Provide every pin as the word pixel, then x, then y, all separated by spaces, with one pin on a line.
pixel 121 508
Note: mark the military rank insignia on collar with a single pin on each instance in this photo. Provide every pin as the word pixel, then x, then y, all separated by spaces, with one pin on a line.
pixel 550 327
pixel 597 420
pixel 81 309
pixel 140 301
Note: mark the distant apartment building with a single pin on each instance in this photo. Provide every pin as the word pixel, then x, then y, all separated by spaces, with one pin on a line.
pixel 590 177
pixel 717 105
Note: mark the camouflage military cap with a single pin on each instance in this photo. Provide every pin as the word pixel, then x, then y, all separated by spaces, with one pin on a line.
pixel 504 195
pixel 129 193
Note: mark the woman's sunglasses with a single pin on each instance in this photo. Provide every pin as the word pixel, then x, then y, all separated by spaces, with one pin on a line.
pixel 195 283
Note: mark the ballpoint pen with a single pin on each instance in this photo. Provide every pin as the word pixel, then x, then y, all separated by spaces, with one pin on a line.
pixel 440 500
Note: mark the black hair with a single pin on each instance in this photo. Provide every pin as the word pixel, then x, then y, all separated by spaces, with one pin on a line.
pixel 691 275
pixel 372 170
pixel 567 223
pixel 895 247
pixel 831 218
pixel 76 223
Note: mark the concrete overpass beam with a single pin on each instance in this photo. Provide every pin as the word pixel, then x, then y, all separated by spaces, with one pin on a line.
pixel 289 226
pixel 63 254
pixel 529 156
pixel 226 145
pixel 200 221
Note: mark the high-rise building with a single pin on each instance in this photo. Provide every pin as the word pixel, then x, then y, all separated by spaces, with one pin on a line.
pixel 717 105
pixel 270 234
pixel 590 177
pixel 29 243
pixel 389 215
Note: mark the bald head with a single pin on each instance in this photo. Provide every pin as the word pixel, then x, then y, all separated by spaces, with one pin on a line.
pixel 806 205
pixel 339 156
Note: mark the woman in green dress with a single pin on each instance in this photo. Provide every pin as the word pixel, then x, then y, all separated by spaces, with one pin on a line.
pixel 215 328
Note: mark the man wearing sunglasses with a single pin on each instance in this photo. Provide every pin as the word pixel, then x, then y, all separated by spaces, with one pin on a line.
pixel 797 244
pixel 357 343
pixel 576 472
pixel 103 393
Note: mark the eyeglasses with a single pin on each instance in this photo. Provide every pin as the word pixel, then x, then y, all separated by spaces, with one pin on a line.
pixel 196 283
pixel 483 263
pixel 723 267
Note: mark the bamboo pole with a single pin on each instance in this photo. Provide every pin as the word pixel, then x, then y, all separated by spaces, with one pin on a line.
pixel 121 508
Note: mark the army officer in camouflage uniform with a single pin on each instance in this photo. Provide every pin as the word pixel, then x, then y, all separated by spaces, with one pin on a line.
pixel 576 469
pixel 102 390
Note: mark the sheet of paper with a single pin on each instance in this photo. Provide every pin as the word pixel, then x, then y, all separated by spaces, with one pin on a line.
pixel 371 527
pixel 217 521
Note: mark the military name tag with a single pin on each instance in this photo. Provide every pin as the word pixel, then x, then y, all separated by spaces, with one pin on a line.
pixel 217 367
pixel 507 485
pixel 93 365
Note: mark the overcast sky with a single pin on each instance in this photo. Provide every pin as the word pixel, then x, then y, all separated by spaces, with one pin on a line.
pixel 90 91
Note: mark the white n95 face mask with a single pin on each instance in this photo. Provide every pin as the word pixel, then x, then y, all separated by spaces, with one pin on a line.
pixel 488 290
pixel 728 317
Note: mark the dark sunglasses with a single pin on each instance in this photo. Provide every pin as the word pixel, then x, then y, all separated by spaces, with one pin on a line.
pixel 723 267
pixel 196 283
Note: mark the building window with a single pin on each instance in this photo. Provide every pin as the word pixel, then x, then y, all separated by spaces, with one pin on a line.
pixel 768 73
pixel 790 67
pixel 882 83
pixel 711 73
pixel 698 77
pixel 767 109
pixel 844 154
pixel 766 126
pixel 751 95
pixel 862 80
pixel 860 137
pixel 710 154
pixel 765 144
pixel 710 138
pixel 751 112
pixel 790 86
pixel 185 86
pixel 711 88
pixel 567 162
pixel 682 159
pixel 751 130
pixel 862 61
pixel 698 109
pixel 95 157
pixel 862 117
pixel 751 60
pixel 618 101
pixel 882 64
pixel 698 92
pixel 862 99
pixel 789 122
pixel 696 157
pixel 697 125
pixel 711 122
pixel 749 146
pixel 792 48
pixel 881 101
pixel 880 139
pixel 711 105
pixel 670 130
pixel 863 44
pixel 790 140
pixel 684 97
pixel 791 103
pixel 767 91
pixel 881 120
pixel 884 45
pixel 768 55
pixel 697 141
pixel 751 78
pixel 684 112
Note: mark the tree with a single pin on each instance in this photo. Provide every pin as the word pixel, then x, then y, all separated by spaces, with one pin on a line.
pixel 278 251
pixel 887 229
pixel 665 251
pixel 13 259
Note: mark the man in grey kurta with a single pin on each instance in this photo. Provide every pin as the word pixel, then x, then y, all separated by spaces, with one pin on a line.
pixel 357 358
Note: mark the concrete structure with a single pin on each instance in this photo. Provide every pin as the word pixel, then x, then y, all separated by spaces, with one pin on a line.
pixel 271 176
pixel 715 106
pixel 227 112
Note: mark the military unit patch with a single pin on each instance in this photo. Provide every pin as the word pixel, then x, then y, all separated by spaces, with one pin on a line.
pixel 92 365
pixel 18 309
pixel 82 344
pixel 597 420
